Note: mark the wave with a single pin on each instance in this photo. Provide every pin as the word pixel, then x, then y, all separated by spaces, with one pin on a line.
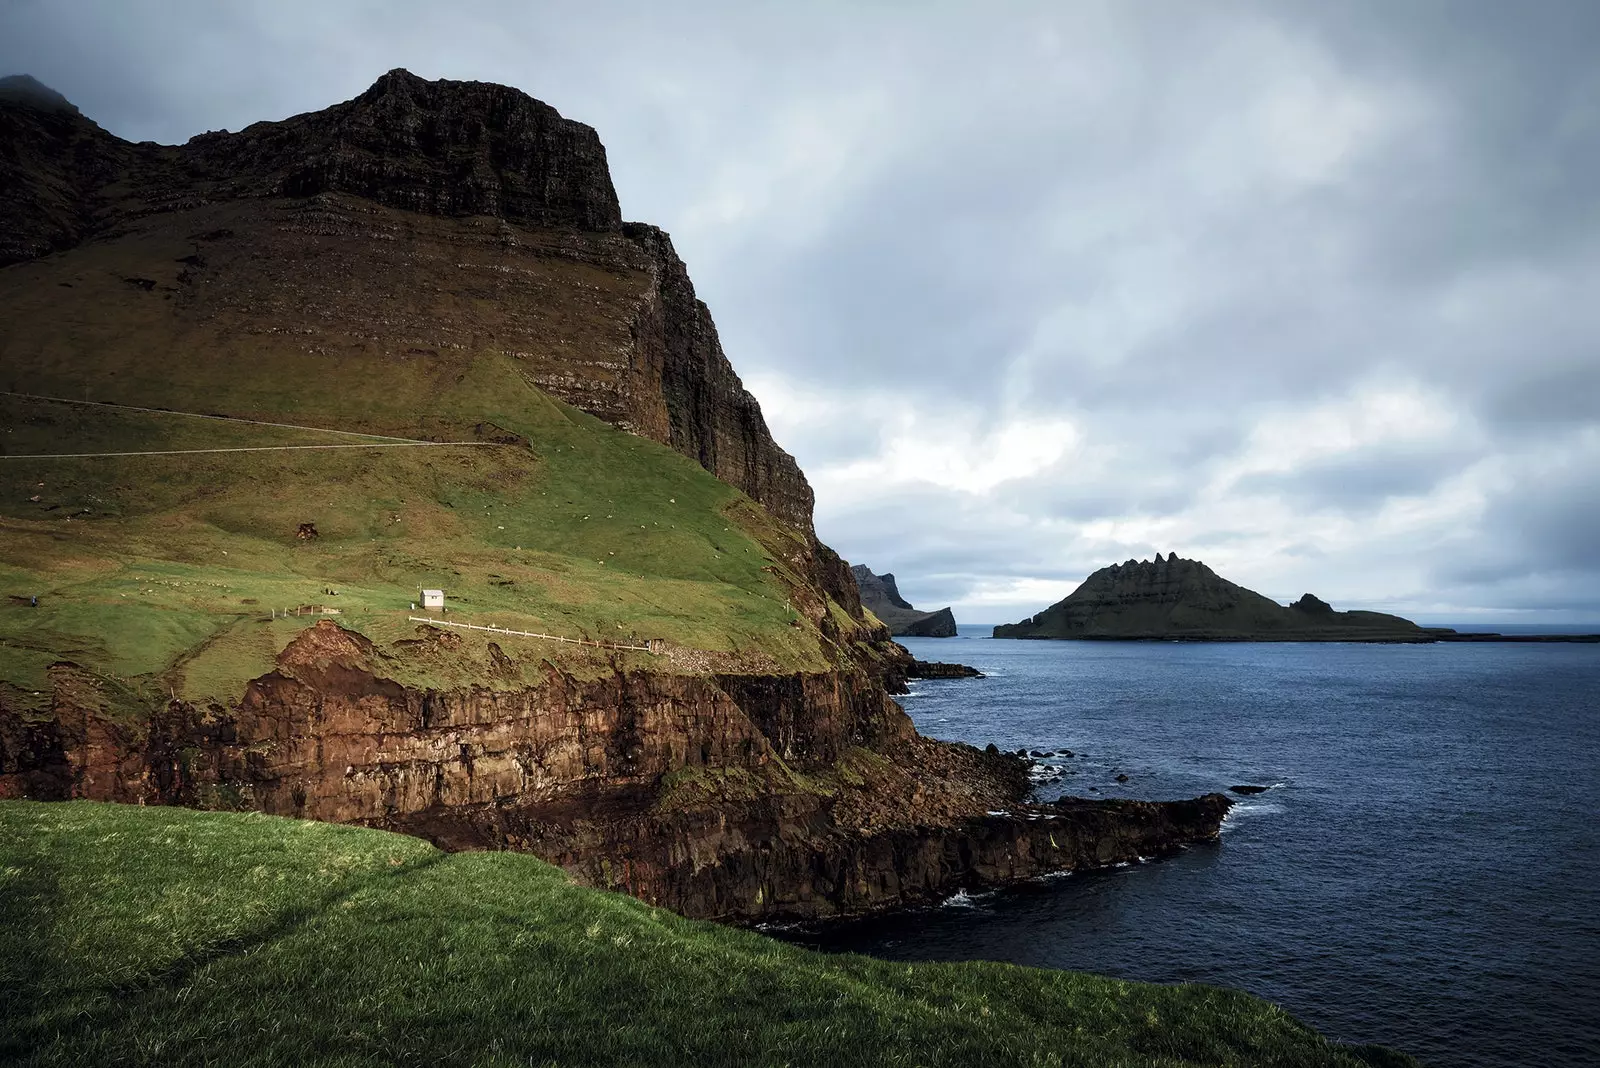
pixel 963 900
pixel 1251 809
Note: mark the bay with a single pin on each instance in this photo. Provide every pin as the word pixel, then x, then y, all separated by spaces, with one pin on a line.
pixel 1424 871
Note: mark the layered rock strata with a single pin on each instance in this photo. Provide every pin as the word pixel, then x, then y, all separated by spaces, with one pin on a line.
pixel 743 798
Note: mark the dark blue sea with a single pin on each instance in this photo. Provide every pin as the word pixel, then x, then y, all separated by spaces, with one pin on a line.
pixel 1423 873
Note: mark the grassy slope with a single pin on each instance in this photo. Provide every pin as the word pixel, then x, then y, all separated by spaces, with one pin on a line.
pixel 160 570
pixel 132 935
pixel 168 566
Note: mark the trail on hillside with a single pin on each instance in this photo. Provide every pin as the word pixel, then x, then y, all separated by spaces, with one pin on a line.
pixel 380 441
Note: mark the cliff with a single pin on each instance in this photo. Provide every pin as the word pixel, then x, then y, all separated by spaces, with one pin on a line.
pixel 731 797
pixel 307 369
pixel 881 594
pixel 519 202
pixel 1176 598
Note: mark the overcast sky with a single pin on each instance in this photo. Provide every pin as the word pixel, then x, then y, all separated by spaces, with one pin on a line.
pixel 1308 291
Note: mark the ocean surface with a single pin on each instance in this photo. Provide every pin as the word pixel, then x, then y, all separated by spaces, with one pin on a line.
pixel 1423 873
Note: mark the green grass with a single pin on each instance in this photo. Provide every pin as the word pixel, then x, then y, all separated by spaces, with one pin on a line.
pixel 167 568
pixel 164 936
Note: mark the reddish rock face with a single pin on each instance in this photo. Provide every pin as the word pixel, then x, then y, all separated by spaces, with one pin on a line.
pixel 732 797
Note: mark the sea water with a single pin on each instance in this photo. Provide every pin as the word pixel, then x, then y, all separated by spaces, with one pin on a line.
pixel 1424 871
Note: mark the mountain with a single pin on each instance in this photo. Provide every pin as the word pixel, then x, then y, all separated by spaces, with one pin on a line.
pixel 259 390
pixel 882 597
pixel 1176 598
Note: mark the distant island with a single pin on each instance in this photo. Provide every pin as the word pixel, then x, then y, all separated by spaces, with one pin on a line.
pixel 1184 600
pixel 880 594
pixel 1170 597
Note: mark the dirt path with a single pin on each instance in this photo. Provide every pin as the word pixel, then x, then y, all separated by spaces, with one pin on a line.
pixel 376 441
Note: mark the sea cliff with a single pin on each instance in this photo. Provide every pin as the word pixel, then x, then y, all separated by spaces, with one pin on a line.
pixel 445 263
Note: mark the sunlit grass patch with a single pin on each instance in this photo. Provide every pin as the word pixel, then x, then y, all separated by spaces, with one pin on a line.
pixel 145 935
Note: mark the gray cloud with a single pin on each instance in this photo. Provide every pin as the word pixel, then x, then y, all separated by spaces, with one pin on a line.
pixel 1304 288
pixel 1360 480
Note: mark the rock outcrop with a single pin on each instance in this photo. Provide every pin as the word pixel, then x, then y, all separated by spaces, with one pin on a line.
pixel 938 669
pixel 1170 597
pixel 880 594
pixel 737 797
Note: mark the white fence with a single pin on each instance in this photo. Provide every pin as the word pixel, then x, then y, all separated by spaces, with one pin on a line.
pixel 653 646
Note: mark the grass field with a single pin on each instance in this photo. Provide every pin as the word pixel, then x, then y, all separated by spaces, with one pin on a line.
pixel 167 569
pixel 164 936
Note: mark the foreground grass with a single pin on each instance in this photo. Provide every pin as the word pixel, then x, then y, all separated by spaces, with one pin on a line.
pixel 145 935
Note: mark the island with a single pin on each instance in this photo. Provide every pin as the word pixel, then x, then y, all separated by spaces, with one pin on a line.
pixel 1173 598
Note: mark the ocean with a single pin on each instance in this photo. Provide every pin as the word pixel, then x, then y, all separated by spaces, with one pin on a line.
pixel 1424 871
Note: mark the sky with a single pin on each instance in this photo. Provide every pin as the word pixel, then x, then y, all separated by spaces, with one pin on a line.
pixel 1308 291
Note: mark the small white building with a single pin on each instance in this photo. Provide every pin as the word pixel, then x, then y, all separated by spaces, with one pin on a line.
pixel 433 599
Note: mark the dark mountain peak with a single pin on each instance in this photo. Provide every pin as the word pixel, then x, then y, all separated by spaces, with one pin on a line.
pixel 883 587
pixel 397 80
pixel 29 91
pixel 437 147
pixel 1311 603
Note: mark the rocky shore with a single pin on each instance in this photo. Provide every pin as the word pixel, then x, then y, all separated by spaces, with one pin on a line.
pixel 741 798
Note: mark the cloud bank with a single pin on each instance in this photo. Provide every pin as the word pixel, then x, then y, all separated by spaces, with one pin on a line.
pixel 1303 290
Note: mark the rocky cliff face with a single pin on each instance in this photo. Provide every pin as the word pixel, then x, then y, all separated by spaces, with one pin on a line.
pixel 881 594
pixel 1175 598
pixel 515 186
pixel 730 797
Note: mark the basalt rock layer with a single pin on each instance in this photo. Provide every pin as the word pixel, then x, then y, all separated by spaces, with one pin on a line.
pixel 881 594
pixel 741 798
pixel 1176 598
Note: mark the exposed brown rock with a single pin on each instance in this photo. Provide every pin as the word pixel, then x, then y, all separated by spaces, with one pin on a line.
pixel 740 797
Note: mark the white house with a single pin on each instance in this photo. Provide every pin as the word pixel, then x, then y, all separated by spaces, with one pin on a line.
pixel 433 599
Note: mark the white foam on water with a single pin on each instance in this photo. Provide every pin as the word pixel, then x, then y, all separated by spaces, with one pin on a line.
pixel 963 900
pixel 1251 809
